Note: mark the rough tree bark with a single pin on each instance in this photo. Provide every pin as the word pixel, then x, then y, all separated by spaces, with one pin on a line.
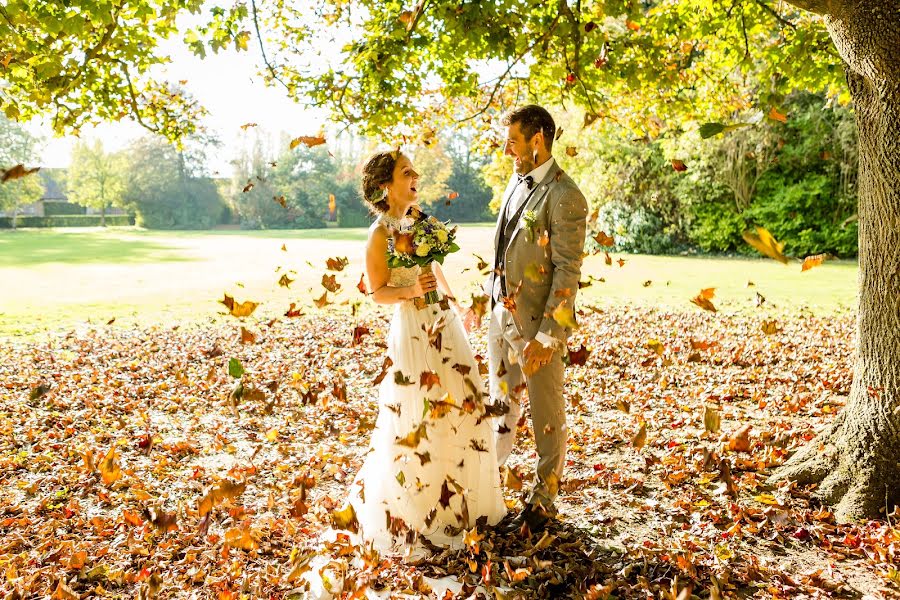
pixel 856 461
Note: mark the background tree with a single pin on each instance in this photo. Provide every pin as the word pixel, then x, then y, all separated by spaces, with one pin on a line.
pixel 95 178
pixel 166 189
pixel 18 146
pixel 82 60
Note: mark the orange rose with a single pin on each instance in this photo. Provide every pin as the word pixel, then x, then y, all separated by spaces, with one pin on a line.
pixel 403 243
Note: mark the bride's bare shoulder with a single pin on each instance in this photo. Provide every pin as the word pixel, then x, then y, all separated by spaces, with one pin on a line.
pixel 378 234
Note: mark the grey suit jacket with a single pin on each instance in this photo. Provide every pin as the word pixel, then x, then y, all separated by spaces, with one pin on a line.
pixel 545 260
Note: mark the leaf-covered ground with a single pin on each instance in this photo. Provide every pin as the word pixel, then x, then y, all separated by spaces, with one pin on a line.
pixel 132 466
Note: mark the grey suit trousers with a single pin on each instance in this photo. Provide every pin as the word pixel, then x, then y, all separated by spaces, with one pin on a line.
pixel 545 396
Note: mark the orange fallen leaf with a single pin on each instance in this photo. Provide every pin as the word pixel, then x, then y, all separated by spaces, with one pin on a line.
pixel 813 261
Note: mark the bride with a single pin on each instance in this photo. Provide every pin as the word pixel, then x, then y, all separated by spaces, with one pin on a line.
pixel 431 471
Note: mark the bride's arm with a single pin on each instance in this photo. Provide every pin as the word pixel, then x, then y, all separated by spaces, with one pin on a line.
pixel 378 273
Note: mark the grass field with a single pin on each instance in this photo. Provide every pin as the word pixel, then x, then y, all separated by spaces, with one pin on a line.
pixel 51 279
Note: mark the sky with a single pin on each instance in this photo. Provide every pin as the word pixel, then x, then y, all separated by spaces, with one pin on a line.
pixel 227 85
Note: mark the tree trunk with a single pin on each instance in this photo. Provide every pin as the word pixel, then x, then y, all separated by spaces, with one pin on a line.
pixel 855 461
pixel 102 215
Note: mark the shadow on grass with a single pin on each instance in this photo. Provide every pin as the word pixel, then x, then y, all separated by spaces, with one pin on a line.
pixel 29 248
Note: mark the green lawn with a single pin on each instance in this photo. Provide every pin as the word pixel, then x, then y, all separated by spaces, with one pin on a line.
pixel 61 278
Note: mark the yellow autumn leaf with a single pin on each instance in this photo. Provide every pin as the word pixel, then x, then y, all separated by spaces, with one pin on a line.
pixel 109 467
pixel 640 438
pixel 241 537
pixel 345 519
pixel 765 243
pixel 564 315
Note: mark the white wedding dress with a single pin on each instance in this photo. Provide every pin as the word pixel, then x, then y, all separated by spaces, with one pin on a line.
pixel 432 466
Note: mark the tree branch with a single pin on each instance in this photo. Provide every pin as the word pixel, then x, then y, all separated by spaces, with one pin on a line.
pixel 262 49
pixel 775 14
pixel 134 99
pixel 820 7
pixel 509 68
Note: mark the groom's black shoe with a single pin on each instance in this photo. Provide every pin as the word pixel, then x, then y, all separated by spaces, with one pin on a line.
pixel 534 516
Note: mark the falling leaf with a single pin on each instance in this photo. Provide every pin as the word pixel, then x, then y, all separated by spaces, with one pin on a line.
pixel 358 334
pixel 578 357
pixel 293 311
pixel 511 479
pixel 308 141
pixel 280 200
pixel 607 259
pixel 740 440
pixel 239 309
pixel 632 25
pixel 235 369
pixel 571 151
pixel 453 195
pixel 564 315
pixel 703 299
pixel 248 187
pixel 385 367
pixel 769 327
pixel 329 282
pixel 446 493
pixel 17 172
pixel 221 491
pixel 241 537
pixel 535 272
pixel 322 301
pixel 285 281
pixel 777 116
pixel 428 380
pixel 763 241
pixel 247 336
pixel 246 126
pixel 604 240
pixel 621 262
pixel 413 438
pixel 337 264
pixel 658 347
pixel 679 165
pixel 711 419
pixel 109 467
pixel 640 437
pixel 813 261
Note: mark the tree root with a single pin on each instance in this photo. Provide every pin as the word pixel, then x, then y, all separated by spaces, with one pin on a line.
pixel 856 482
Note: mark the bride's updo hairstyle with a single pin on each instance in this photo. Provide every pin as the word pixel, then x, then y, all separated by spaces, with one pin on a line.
pixel 378 171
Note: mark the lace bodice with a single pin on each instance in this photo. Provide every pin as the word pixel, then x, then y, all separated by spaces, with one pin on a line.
pixel 400 276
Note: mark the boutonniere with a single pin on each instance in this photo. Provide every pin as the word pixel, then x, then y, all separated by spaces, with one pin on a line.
pixel 529 220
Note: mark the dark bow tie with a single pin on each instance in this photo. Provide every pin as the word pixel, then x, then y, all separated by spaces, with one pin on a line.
pixel 528 180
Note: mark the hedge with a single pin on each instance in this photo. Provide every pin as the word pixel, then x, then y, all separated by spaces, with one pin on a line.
pixel 52 209
pixel 67 221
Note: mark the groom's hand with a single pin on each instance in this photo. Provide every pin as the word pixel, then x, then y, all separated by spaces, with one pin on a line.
pixel 536 356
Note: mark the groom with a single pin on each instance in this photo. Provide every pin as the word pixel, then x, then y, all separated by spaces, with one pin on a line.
pixel 537 265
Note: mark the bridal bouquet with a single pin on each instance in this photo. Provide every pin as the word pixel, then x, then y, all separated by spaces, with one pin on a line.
pixel 428 240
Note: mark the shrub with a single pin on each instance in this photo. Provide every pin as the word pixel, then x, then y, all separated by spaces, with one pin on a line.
pixel 636 229
pixel 62 208
pixel 68 221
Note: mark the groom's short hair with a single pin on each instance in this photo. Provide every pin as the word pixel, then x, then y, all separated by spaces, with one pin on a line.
pixel 531 119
